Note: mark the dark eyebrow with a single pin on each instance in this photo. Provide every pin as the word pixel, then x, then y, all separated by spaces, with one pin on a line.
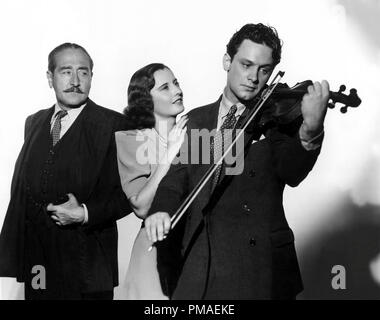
pixel 65 68
pixel 163 85
pixel 246 61
pixel 269 65
pixel 70 68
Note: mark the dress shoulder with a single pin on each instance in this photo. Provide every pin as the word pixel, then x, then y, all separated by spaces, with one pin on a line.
pixel 134 169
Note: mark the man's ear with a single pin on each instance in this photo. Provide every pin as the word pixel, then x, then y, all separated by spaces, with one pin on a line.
pixel 226 62
pixel 49 76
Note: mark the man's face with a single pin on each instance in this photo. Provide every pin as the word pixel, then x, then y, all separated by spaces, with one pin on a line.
pixel 71 78
pixel 248 72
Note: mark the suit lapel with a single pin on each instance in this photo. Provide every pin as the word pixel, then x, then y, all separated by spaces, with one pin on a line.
pixel 209 123
pixel 33 127
pixel 97 130
pixel 37 125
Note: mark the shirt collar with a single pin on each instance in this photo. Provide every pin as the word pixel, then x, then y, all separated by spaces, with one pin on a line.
pixel 226 104
pixel 71 113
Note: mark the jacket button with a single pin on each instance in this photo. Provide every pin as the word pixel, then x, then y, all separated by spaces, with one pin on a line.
pixel 252 173
pixel 246 208
pixel 252 242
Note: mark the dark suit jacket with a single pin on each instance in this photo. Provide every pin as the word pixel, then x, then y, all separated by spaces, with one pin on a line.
pixel 105 200
pixel 237 243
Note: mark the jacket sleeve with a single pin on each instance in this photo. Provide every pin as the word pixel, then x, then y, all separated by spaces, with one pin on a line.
pixel 171 190
pixel 108 202
pixel 292 161
pixel 12 233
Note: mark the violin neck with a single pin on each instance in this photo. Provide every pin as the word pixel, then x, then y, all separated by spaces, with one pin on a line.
pixel 291 94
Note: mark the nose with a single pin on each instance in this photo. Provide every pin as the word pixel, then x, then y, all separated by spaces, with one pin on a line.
pixel 253 75
pixel 74 79
pixel 177 91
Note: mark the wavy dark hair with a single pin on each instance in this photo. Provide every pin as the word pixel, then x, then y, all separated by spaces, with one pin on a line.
pixel 139 111
pixel 258 33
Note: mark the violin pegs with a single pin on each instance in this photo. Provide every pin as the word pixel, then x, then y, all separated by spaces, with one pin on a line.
pixel 343 109
pixel 331 105
pixel 342 88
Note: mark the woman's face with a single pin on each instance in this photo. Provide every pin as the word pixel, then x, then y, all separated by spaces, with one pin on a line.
pixel 166 94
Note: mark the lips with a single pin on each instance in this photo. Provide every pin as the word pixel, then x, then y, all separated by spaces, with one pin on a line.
pixel 249 87
pixel 178 100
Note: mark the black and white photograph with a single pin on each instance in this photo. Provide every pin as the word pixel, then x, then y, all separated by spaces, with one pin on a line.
pixel 190 151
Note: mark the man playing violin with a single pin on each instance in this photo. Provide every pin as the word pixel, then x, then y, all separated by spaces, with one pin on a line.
pixel 237 243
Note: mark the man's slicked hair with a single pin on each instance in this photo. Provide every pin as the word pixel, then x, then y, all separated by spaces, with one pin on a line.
pixel 258 33
pixel 51 58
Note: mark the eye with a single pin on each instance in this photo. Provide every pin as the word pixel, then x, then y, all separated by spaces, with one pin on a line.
pixel 165 87
pixel 176 83
pixel 265 71
pixel 245 65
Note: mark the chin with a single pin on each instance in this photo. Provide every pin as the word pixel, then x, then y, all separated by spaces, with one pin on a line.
pixel 179 109
pixel 252 95
pixel 246 97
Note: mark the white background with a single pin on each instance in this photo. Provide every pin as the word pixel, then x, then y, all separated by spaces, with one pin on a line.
pixel 334 213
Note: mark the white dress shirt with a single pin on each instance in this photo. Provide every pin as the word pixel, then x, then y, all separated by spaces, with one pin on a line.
pixel 67 120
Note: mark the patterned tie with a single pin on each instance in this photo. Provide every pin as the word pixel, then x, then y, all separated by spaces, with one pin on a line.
pixel 56 131
pixel 217 144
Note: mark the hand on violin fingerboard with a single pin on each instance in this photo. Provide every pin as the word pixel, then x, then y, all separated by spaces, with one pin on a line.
pixel 314 108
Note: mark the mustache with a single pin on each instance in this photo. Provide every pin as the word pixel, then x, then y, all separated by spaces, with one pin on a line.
pixel 74 89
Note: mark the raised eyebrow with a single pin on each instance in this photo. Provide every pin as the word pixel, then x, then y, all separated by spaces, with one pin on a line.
pixel 246 61
pixel 162 86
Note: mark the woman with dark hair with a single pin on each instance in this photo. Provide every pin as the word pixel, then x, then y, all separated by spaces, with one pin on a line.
pixel 144 157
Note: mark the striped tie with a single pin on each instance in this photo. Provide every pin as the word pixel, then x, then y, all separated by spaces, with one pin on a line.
pixel 56 131
pixel 217 144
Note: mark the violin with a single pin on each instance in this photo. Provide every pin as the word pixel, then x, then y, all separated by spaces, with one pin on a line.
pixel 283 108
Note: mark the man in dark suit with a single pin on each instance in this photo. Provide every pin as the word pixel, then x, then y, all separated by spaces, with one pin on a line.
pixel 59 235
pixel 237 243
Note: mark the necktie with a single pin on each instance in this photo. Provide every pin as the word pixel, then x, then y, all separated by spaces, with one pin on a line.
pixel 217 144
pixel 56 131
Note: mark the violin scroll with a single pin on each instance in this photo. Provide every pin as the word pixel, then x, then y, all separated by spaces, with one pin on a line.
pixel 350 101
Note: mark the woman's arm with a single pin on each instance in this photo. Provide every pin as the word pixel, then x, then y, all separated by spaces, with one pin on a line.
pixel 142 201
